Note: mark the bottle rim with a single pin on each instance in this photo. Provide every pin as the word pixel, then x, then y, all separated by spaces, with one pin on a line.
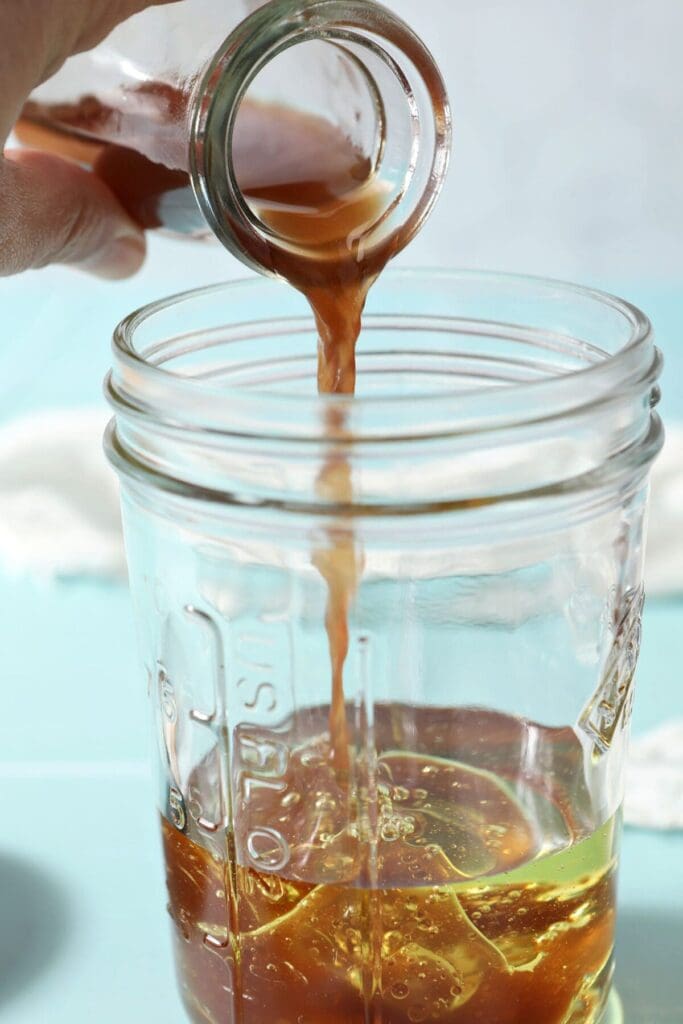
pixel 256 42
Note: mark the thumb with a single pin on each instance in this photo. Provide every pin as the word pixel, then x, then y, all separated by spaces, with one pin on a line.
pixel 52 211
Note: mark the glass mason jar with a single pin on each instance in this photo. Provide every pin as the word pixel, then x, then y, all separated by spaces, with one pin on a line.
pixel 462 867
pixel 293 85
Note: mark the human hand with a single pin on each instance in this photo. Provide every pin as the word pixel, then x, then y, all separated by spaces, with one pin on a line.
pixel 51 210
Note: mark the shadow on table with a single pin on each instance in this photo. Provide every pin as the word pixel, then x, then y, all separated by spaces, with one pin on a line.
pixel 649 971
pixel 34 925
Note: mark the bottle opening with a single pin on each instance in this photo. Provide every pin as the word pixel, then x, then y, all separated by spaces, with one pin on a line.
pixel 309 167
pixel 322 133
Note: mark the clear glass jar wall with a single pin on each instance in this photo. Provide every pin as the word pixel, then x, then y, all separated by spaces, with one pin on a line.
pixel 463 869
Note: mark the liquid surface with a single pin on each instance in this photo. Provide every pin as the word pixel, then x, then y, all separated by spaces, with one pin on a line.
pixel 431 888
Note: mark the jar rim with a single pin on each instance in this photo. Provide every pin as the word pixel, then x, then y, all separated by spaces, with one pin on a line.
pixel 137 385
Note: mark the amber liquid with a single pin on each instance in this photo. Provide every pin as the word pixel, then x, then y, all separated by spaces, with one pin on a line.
pixel 451 887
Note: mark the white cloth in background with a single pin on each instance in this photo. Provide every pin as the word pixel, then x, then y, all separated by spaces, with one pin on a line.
pixel 59 513
pixel 664 572
pixel 654 781
pixel 59 500
pixel 59 518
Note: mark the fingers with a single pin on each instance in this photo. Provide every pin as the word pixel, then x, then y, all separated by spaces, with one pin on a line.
pixel 96 18
pixel 39 35
pixel 52 211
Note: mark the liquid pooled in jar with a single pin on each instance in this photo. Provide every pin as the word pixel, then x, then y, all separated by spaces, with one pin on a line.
pixel 449 889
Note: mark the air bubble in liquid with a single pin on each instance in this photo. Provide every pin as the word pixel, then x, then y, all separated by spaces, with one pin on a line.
pixel 391 942
pixel 417 1014
pixel 311 759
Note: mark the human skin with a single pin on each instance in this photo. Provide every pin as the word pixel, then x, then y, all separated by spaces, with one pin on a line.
pixel 53 211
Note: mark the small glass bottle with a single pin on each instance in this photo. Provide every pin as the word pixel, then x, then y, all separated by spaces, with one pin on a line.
pixel 316 95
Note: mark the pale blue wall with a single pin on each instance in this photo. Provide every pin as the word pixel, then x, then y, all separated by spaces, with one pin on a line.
pixel 569 136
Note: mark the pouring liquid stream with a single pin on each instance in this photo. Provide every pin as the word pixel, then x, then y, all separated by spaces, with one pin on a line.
pixel 336 286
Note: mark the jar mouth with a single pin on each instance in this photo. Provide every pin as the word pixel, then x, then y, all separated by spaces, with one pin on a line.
pixel 475 390
pixel 160 371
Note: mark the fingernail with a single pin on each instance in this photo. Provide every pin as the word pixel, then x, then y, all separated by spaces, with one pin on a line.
pixel 121 258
